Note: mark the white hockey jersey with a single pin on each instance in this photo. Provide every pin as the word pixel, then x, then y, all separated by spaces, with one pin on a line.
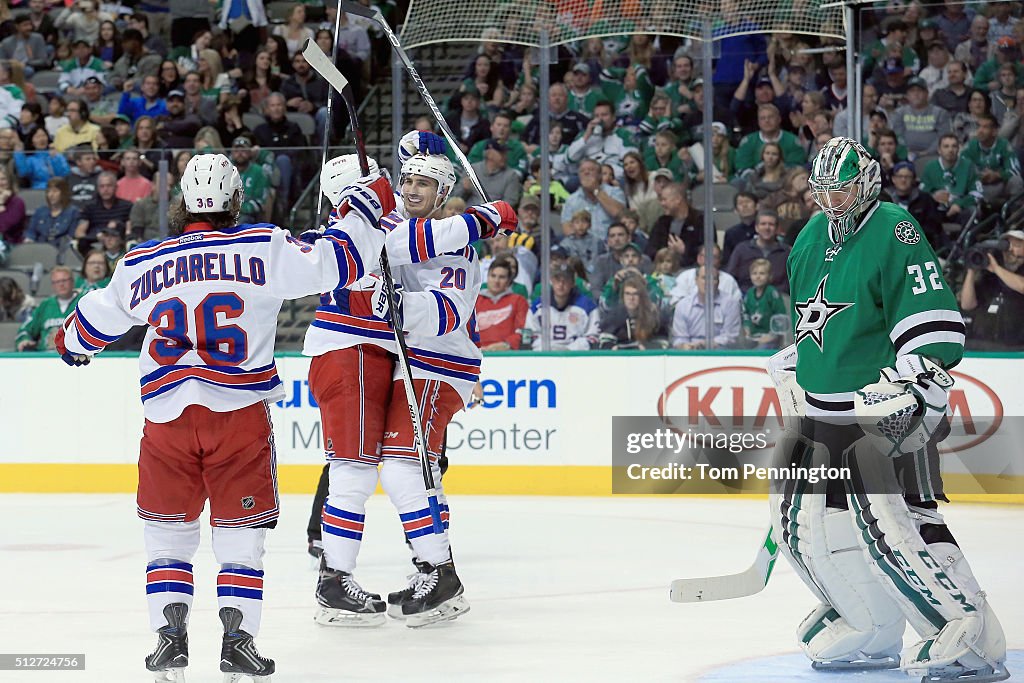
pixel 432 261
pixel 573 328
pixel 211 300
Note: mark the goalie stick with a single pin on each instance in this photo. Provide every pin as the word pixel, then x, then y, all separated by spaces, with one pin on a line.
pixel 375 15
pixel 323 66
pixel 749 582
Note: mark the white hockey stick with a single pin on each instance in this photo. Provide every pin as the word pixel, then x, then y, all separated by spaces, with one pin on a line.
pixel 323 66
pixel 375 15
pixel 749 582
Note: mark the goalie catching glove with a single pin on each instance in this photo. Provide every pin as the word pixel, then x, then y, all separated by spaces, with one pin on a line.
pixel 495 218
pixel 907 407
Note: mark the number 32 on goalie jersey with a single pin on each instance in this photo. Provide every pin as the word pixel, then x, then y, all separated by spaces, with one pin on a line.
pixel 216 344
pixel 924 278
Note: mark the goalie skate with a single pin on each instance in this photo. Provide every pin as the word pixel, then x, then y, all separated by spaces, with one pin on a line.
pixel 959 674
pixel 169 659
pixel 439 597
pixel 238 656
pixel 343 602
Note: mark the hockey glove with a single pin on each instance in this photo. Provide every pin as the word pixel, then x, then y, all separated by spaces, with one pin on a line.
pixel 72 359
pixel 311 236
pixel 420 142
pixel 907 408
pixel 380 301
pixel 371 196
pixel 494 218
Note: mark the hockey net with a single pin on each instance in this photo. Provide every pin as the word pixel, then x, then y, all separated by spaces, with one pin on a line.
pixel 567 21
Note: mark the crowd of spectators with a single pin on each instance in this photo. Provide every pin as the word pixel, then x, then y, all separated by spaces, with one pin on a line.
pixel 943 112
pixel 943 100
pixel 95 95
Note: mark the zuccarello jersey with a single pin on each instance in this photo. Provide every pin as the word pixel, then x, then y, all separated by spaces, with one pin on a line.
pixel 858 305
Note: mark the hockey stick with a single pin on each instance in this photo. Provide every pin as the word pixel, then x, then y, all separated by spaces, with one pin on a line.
pixel 323 66
pixel 375 15
pixel 330 120
pixel 749 582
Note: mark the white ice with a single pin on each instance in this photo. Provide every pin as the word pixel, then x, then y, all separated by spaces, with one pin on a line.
pixel 562 589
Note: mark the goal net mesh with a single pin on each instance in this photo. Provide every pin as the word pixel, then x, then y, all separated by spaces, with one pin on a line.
pixel 567 21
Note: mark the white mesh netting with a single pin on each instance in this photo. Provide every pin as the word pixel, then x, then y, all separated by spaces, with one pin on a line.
pixel 567 21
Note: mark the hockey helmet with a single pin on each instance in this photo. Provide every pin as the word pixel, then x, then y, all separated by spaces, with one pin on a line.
pixel 209 183
pixel 435 166
pixel 844 181
pixel 340 172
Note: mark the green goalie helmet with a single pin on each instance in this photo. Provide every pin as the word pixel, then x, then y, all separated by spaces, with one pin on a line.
pixel 845 182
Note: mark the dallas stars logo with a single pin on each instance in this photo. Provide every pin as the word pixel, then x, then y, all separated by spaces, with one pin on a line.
pixel 815 314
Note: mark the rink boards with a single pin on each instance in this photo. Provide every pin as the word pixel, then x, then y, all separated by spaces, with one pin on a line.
pixel 545 426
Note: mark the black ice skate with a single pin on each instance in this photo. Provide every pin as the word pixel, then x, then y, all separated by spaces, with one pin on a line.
pixel 170 657
pixel 438 598
pixel 397 598
pixel 343 602
pixel 238 655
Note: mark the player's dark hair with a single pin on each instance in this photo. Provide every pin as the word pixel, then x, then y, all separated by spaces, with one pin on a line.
pixel 179 217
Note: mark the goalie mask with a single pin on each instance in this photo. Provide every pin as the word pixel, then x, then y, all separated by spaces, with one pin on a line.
pixel 435 167
pixel 209 184
pixel 845 182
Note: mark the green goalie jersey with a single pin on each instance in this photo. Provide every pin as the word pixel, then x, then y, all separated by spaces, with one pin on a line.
pixel 858 305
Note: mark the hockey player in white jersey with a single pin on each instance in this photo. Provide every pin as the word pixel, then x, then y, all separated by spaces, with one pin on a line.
pixel 210 295
pixel 364 414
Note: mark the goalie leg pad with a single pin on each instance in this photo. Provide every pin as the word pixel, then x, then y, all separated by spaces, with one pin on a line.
pixel 856 625
pixel 862 627
pixel 934 587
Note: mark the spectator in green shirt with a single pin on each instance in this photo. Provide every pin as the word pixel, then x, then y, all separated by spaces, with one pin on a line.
pixel 952 181
pixel 582 95
pixel 762 303
pixel 37 333
pixel 254 180
pixel 769 123
pixel 1006 52
pixel 501 129
pixel 997 164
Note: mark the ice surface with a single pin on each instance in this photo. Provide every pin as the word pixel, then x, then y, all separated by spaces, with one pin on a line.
pixel 562 589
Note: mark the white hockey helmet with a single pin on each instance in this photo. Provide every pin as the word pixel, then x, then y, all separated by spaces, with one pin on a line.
pixel 435 166
pixel 845 182
pixel 340 172
pixel 209 183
